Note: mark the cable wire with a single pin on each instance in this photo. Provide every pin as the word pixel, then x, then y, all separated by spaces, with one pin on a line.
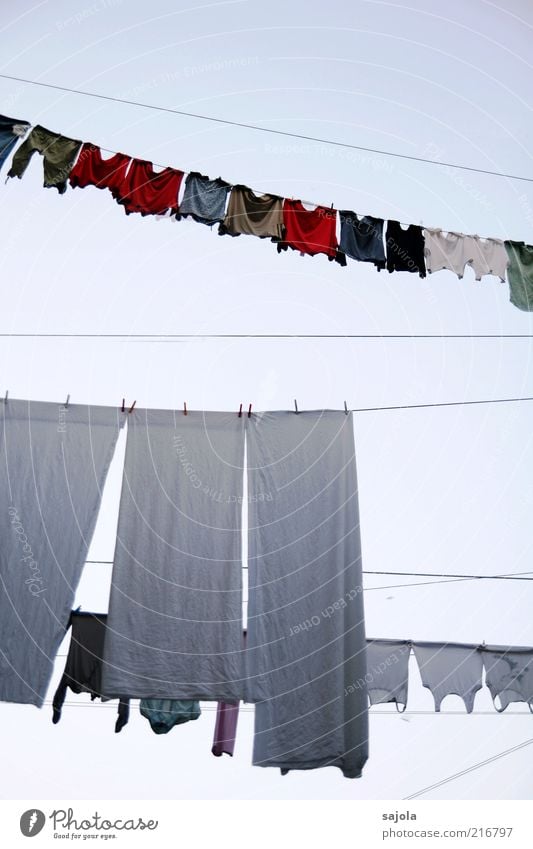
pixel 200 335
pixel 270 130
pixel 469 769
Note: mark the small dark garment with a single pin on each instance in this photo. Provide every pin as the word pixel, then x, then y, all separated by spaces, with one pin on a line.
pixel 405 248
pixel 58 152
pixel 362 238
pixel 83 669
pixel 11 130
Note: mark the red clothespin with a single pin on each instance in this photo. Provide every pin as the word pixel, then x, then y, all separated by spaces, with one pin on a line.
pixel 185 408
pixel 249 411
pixel 240 411
pixel 123 402
pixel 132 406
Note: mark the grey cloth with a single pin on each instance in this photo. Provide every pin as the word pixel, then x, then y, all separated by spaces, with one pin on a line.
pixel 204 199
pixel 306 638
pixel 450 669
pixel 362 238
pixel 53 465
pixel 387 674
pixel 175 618
pixel 509 674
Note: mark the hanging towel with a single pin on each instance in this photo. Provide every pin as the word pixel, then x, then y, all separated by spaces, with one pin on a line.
pixel 306 636
pixel 83 669
pixel 91 169
pixel 405 248
pixel 147 191
pixel 58 152
pixel 225 729
pixel 450 669
pixel 509 674
pixel 362 238
pixel 175 618
pixel 387 671
pixel 53 465
pixel 253 215
pixel 164 714
pixel 11 131
pixel 520 274
pixel 310 231
pixel 204 199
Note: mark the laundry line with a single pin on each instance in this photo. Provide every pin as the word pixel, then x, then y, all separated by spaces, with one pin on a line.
pixel 251 709
pixel 511 576
pixel 259 128
pixel 201 335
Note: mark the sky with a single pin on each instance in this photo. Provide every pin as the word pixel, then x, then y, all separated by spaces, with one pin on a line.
pixel 441 489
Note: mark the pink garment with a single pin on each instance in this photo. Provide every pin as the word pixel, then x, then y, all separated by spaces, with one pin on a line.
pixel 225 729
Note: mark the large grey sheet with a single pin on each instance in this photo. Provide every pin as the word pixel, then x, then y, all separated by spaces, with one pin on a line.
pixel 53 464
pixel 306 636
pixel 175 613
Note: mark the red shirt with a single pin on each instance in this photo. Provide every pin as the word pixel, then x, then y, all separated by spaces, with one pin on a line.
pixel 150 193
pixel 92 170
pixel 310 231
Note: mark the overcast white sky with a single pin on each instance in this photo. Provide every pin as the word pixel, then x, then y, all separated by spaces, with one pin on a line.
pixel 444 490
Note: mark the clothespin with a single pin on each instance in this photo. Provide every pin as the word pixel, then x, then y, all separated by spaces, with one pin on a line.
pixel 249 411
pixel 240 411
pixel 346 408
pixel 295 406
pixel 123 402
pixel 66 402
pixel 132 406
pixel 5 399
pixel 185 408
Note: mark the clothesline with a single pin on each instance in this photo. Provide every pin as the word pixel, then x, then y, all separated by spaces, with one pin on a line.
pixel 263 129
pixel 358 409
pixel 244 709
pixel 511 576
pixel 201 335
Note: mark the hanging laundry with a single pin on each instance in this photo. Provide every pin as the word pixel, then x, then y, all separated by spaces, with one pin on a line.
pixel 310 231
pixel 175 618
pixel 520 274
pixel 362 238
pixel 509 675
pixel 450 251
pixel 53 465
pixel 83 669
pixel 490 257
pixel 450 669
pixel 91 169
pixel 164 714
pixel 147 191
pixel 387 671
pixel 405 248
pixel 225 729
pixel 204 199
pixel 252 215
pixel 306 645
pixel 11 131
pixel 58 152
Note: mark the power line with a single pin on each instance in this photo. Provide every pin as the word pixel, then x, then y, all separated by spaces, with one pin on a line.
pixel 270 130
pixel 470 769
pixel 200 335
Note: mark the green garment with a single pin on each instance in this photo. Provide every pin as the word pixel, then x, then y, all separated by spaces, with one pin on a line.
pixel 520 274
pixel 58 152
pixel 164 714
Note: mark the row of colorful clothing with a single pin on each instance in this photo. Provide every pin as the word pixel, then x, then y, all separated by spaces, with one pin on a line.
pixel 238 210
pixel 445 669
